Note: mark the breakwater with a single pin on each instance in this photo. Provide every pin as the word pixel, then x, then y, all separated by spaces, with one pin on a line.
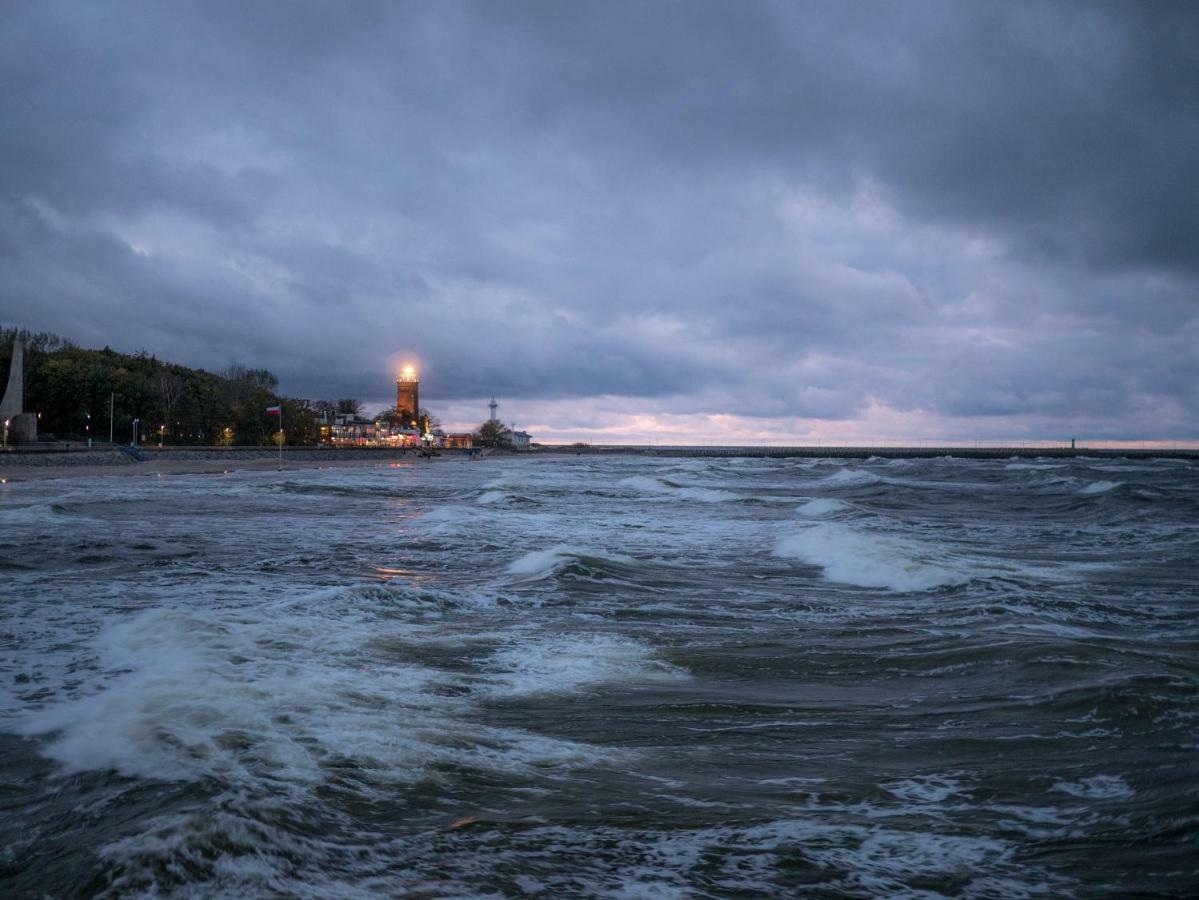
pixel 763 452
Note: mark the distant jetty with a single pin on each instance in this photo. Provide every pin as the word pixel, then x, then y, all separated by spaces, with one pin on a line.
pixel 1023 452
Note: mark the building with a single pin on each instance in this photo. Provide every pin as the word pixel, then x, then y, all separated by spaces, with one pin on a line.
pixel 408 396
pixel 355 431
pixel 520 440
pixel 459 441
pixel 352 431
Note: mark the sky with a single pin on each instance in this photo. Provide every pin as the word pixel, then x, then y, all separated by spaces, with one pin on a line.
pixel 628 221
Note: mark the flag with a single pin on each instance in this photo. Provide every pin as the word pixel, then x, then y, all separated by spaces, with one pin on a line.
pixel 274 410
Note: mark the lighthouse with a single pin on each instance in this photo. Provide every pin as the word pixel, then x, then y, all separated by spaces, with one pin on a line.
pixel 408 397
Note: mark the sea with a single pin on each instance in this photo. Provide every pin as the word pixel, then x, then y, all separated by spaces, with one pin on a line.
pixel 604 676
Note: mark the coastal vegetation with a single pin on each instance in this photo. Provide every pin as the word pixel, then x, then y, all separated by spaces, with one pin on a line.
pixel 493 434
pixel 72 390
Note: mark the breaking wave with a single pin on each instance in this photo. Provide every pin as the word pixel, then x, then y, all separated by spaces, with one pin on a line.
pixel 849 478
pixel 565 664
pixel 666 487
pixel 822 507
pixel 851 556
pixel 1100 487
pixel 539 564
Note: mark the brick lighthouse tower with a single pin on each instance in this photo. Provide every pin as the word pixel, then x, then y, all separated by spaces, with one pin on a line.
pixel 408 397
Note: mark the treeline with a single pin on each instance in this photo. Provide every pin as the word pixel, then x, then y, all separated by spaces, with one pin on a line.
pixel 71 389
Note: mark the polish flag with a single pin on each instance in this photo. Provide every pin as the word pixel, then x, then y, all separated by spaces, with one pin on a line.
pixel 274 410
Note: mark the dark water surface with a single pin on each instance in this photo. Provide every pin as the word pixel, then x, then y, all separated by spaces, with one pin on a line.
pixel 632 678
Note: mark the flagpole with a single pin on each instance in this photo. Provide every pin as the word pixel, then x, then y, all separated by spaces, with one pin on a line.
pixel 280 435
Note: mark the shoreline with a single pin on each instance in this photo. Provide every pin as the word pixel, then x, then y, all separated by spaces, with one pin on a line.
pixel 121 466
pixel 95 462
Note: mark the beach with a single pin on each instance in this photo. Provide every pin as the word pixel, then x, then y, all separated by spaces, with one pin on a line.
pixel 208 461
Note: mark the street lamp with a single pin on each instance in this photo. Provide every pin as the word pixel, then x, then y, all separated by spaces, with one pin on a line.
pixel 133 442
pixel 6 421
pixel 161 429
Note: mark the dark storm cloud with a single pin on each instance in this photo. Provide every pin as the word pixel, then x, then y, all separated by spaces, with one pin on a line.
pixel 771 209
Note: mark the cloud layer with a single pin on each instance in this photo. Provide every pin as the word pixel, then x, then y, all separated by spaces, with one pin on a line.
pixel 927 219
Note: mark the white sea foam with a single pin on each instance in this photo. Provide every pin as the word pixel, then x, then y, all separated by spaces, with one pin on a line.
pixel 869 560
pixel 492 497
pixel 1100 487
pixel 1099 787
pixel 563 664
pixel 822 507
pixel 690 492
pixel 849 478
pixel 186 695
pixel 543 563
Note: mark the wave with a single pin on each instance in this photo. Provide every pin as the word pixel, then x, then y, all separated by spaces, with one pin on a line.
pixel 849 478
pixel 565 664
pixel 1100 787
pixel 691 492
pixel 869 560
pixel 188 696
pixel 540 564
pixel 1100 487
pixel 822 507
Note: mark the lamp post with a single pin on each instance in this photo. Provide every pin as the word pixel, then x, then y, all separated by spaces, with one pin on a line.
pixel 133 440
pixel 161 429
pixel 6 421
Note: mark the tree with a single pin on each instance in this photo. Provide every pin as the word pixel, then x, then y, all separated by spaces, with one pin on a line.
pixel 170 388
pixel 392 416
pixel 493 434
pixel 349 406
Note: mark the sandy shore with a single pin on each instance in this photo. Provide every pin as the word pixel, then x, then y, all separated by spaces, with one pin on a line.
pixel 161 467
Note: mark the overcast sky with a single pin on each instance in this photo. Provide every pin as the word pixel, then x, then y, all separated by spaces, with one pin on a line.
pixel 628 221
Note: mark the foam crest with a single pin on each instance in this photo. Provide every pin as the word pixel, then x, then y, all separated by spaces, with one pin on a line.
pixel 849 478
pixel 1100 487
pixel 868 560
pixel 183 696
pixel 645 483
pixel 822 507
pixel 690 492
pixel 554 665
pixel 544 563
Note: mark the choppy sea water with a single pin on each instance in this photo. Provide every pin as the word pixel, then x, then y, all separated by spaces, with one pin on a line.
pixel 604 676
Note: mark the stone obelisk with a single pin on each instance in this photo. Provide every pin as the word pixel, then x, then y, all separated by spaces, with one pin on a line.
pixel 21 426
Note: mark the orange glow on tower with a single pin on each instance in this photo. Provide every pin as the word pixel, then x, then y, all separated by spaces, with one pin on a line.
pixel 408 396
